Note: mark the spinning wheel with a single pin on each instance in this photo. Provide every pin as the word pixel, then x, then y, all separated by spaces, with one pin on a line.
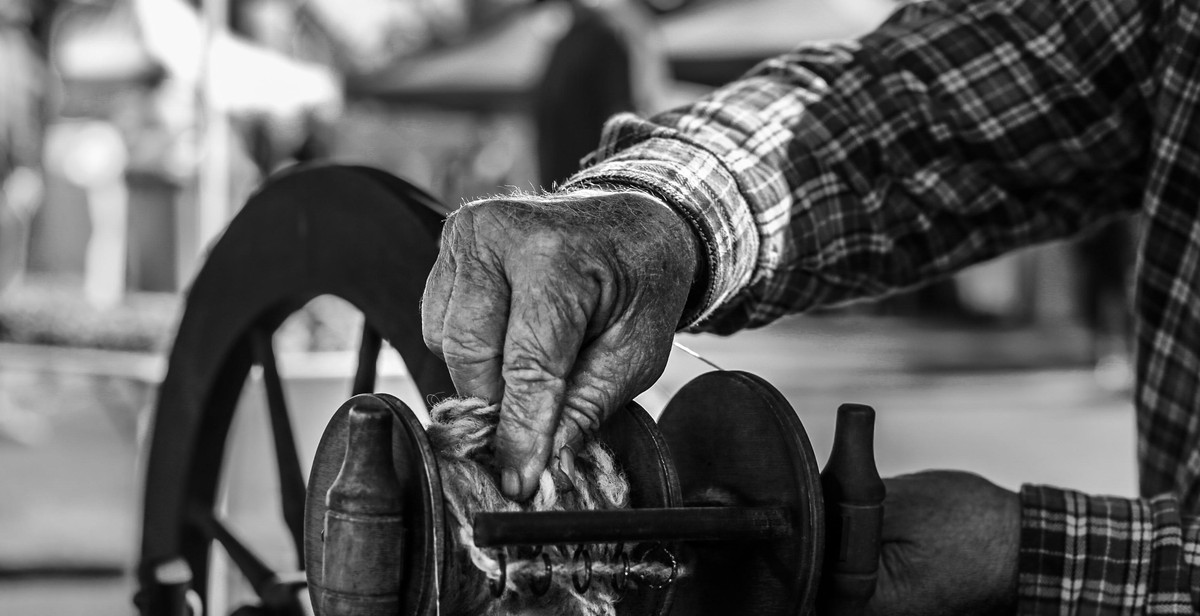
pixel 354 233
pixel 724 486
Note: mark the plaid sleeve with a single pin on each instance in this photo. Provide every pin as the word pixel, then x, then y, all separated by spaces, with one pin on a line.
pixel 1085 554
pixel 958 130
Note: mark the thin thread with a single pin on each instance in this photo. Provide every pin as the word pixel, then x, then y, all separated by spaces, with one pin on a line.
pixel 695 354
pixel 461 435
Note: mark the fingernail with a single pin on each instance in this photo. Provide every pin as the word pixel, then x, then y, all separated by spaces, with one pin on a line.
pixel 510 483
pixel 566 460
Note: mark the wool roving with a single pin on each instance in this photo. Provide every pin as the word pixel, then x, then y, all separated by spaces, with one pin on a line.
pixel 461 436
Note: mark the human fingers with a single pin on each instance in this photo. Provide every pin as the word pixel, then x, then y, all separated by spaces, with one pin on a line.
pixel 435 299
pixel 547 323
pixel 611 370
pixel 473 331
pixel 465 304
pixel 950 545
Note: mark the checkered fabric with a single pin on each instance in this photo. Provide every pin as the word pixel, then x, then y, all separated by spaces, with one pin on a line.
pixel 958 130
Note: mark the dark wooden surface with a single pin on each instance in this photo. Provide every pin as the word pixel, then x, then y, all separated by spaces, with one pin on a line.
pixel 631 434
pixel 642 452
pixel 854 495
pixel 736 441
pixel 689 524
pixel 361 541
pixel 424 552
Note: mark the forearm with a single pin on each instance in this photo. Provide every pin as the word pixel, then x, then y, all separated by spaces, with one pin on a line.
pixel 955 132
pixel 1094 554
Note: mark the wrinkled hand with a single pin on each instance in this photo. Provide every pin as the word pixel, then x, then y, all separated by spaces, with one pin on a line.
pixel 562 308
pixel 950 546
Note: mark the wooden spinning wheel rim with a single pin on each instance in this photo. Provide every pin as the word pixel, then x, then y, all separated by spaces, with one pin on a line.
pixel 355 233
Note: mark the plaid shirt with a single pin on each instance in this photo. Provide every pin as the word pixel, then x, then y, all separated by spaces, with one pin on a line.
pixel 958 130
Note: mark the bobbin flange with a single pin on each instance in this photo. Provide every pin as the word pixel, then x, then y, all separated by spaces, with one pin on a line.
pixel 736 441
pixel 423 541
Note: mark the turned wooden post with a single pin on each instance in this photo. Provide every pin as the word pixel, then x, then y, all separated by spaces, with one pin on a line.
pixel 363 536
pixel 854 496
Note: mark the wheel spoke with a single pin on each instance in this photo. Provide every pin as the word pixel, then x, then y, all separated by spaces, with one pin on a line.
pixel 368 360
pixel 260 576
pixel 291 478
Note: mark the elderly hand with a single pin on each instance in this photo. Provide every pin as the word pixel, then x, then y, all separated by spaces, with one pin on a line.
pixel 950 546
pixel 562 307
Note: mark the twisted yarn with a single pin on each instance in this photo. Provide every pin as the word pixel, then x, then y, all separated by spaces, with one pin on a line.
pixel 461 436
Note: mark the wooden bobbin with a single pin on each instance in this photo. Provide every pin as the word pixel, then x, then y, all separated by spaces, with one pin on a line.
pixel 752 524
pixel 738 509
pixel 352 583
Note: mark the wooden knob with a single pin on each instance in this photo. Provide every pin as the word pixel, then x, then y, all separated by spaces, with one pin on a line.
pixel 364 532
pixel 853 495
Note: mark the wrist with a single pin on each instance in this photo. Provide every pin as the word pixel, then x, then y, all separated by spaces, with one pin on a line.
pixel 684 243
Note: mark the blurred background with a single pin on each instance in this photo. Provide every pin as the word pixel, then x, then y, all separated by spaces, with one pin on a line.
pixel 131 131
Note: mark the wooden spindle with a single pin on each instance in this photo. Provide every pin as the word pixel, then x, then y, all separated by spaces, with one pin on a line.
pixel 364 532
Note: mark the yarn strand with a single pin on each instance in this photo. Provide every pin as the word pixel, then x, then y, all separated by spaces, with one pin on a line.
pixel 461 436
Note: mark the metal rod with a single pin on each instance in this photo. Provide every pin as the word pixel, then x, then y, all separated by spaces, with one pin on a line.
pixel 632 525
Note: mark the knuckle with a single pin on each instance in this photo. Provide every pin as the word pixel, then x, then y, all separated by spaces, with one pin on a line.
pixel 585 414
pixel 531 379
pixel 536 356
pixel 452 228
pixel 470 227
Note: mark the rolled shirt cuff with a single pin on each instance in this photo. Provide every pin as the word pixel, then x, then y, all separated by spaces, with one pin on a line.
pixel 1083 554
pixel 693 182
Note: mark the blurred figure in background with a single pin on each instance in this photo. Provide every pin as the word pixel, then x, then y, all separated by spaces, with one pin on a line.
pixel 24 90
pixel 144 164
pixel 24 105
pixel 1104 260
